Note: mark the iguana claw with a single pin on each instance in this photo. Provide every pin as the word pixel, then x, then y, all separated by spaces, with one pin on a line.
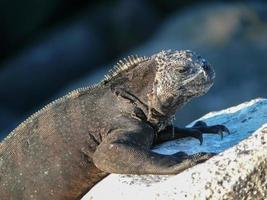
pixel 198 135
pixel 215 129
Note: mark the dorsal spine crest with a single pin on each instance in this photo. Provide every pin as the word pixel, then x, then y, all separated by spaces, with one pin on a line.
pixel 123 65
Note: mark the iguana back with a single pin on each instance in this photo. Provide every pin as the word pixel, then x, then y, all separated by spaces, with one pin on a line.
pixel 48 155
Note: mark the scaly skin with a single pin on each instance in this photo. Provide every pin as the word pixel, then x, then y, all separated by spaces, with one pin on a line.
pixel 61 151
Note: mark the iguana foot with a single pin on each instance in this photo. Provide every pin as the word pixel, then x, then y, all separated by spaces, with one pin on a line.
pixel 196 131
pixel 200 127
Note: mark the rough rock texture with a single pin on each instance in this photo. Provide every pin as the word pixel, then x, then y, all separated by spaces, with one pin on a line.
pixel 236 173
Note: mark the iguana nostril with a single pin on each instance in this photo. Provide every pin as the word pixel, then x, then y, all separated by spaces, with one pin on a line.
pixel 183 70
pixel 206 67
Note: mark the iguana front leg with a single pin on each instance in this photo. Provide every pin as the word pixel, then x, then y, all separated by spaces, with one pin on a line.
pixel 127 151
pixel 196 131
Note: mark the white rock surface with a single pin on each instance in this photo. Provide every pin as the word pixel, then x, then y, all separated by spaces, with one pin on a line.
pixel 238 172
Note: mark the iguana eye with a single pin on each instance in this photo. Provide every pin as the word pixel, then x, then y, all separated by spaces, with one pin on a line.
pixel 183 70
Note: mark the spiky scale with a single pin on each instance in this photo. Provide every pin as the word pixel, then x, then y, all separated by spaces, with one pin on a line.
pixel 125 64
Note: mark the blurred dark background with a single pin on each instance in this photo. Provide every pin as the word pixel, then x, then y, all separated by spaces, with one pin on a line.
pixel 48 48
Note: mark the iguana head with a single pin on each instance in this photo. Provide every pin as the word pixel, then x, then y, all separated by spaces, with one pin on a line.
pixel 165 81
pixel 179 77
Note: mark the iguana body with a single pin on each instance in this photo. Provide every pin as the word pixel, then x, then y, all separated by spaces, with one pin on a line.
pixel 61 151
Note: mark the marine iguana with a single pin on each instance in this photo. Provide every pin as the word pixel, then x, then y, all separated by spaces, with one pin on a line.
pixel 61 151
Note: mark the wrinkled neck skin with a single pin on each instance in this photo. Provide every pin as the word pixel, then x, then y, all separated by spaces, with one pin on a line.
pixel 161 112
pixel 137 85
pixel 140 86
